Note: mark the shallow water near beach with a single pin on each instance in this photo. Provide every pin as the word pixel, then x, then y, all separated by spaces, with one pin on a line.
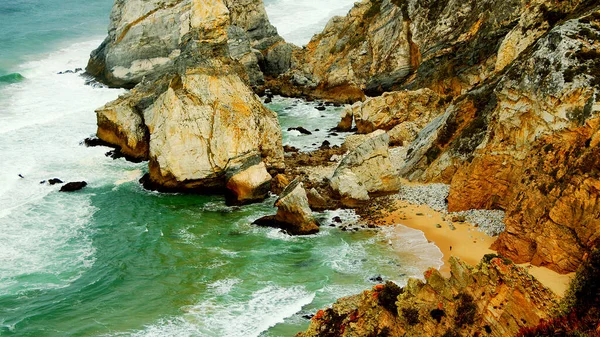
pixel 116 260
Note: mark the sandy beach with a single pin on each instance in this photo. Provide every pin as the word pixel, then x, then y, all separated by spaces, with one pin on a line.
pixel 462 240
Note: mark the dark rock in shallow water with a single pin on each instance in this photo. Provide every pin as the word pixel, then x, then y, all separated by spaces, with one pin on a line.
pixel 95 141
pixel 320 108
pixel 326 145
pixel 55 181
pixel 308 316
pixel 301 130
pixel 377 278
pixel 268 100
pixel 73 186
pixel 337 219
pixel 289 148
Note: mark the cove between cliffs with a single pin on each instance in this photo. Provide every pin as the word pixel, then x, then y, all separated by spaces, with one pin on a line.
pixel 114 259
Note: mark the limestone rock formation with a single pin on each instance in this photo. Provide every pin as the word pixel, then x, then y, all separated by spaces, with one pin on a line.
pixel 201 122
pixel 402 113
pixel 365 170
pixel 525 141
pixel 293 212
pixel 146 39
pixel 495 298
pixel 190 123
pixel 247 179
pixel 386 45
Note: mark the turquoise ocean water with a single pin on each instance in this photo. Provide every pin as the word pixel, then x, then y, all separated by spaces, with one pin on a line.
pixel 116 260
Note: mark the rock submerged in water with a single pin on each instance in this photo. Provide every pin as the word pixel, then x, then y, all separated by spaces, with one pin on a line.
pixel 294 215
pixel 54 181
pixel 301 130
pixel 73 186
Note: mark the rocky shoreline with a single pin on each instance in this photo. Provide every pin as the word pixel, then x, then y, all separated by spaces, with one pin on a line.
pixel 486 112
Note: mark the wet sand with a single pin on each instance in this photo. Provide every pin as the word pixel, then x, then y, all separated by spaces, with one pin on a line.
pixel 464 241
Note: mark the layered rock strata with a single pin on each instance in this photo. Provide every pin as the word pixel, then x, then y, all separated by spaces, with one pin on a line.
pixel 402 113
pixel 495 298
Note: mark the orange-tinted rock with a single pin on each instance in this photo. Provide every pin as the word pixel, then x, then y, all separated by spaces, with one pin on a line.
pixel 524 142
pixel 495 298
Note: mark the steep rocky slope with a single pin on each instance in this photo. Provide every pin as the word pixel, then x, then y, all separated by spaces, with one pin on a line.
pixel 526 141
pixel 495 298
pixel 192 121
pixel 146 38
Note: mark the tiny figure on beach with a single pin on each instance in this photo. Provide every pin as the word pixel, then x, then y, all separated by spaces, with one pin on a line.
pixel 21 176
pixel 450 248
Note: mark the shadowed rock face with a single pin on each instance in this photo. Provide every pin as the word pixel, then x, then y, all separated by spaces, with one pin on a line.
pixel 526 142
pixel 191 122
pixel 146 39
pixel 495 298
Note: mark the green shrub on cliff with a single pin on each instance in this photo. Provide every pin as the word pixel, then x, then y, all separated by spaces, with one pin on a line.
pixel 389 295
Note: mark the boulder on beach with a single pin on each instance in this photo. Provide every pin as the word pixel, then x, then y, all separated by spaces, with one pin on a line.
pixel 293 212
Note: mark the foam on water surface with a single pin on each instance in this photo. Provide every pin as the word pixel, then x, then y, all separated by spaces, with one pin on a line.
pixel 298 20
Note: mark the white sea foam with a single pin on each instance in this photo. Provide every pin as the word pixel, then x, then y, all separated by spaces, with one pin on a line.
pixel 242 317
pixel 298 20
pixel 222 287
pixel 415 252
pixel 45 245
pixel 44 235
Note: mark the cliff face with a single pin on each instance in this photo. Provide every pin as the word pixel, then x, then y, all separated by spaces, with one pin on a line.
pixel 526 142
pixel 384 45
pixel 520 133
pixel 192 122
pixel 495 298
pixel 146 38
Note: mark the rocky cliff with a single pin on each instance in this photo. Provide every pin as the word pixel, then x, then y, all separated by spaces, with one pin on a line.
pixel 146 38
pixel 193 120
pixel 526 141
pixel 503 96
pixel 495 298
pixel 384 45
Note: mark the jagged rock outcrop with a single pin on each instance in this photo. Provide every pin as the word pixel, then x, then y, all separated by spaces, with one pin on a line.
pixel 526 141
pixel 385 45
pixel 495 298
pixel 146 39
pixel 190 123
pixel 404 112
pixel 294 215
pixel 366 170
pixel 247 179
